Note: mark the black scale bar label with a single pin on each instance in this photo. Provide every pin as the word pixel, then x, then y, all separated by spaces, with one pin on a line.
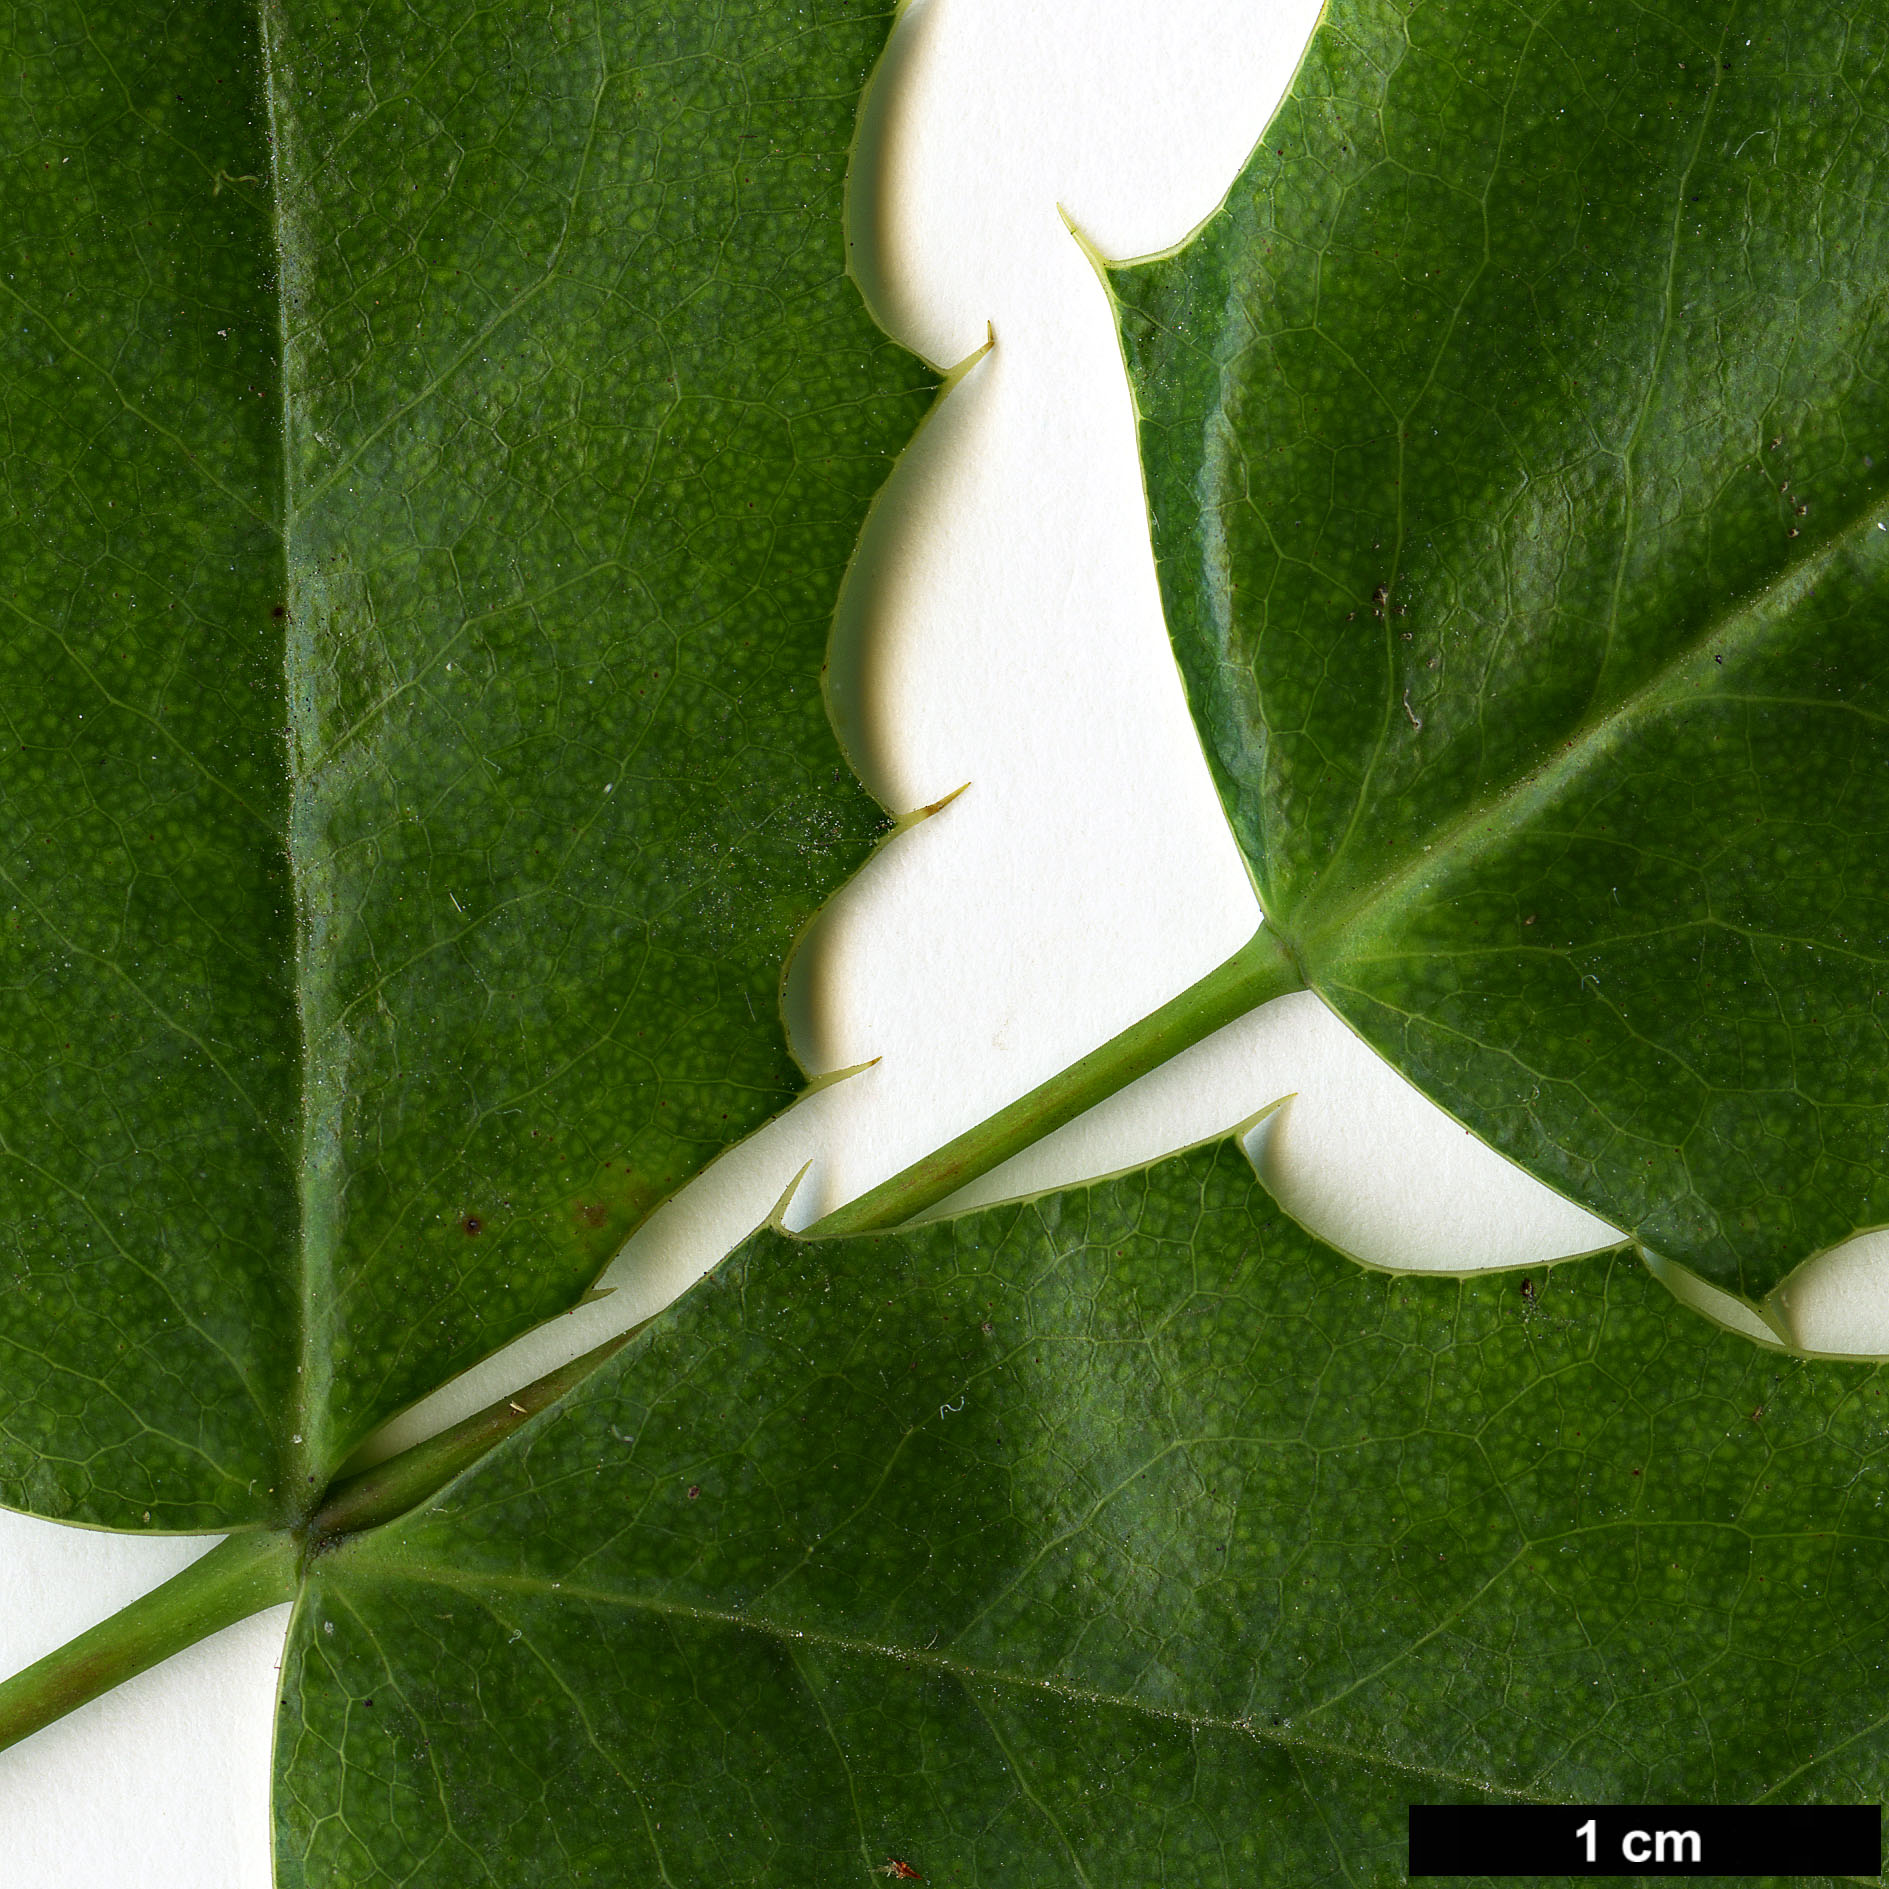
pixel 1645 1840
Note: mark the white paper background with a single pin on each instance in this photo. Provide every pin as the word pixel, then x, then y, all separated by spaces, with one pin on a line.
pixel 1001 629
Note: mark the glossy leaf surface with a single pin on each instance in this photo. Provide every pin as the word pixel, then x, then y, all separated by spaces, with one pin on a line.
pixel 433 442
pixel 1129 1535
pixel 1516 440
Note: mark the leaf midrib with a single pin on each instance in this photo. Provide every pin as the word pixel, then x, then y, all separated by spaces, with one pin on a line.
pixel 321 1023
pixel 475 1585
pixel 306 1468
pixel 483 1588
pixel 1326 935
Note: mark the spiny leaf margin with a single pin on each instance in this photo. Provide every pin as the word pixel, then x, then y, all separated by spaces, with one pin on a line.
pixel 1122 1535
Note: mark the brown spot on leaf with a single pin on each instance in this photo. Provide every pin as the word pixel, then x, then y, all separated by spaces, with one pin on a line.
pixel 607 1204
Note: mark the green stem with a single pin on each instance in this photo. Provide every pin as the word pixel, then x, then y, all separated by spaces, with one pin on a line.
pixel 246 1573
pixel 1262 969
pixel 403 1482
pixel 238 1577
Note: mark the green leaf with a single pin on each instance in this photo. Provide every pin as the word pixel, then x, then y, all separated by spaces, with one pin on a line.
pixel 1516 440
pixel 433 440
pixel 1125 1535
